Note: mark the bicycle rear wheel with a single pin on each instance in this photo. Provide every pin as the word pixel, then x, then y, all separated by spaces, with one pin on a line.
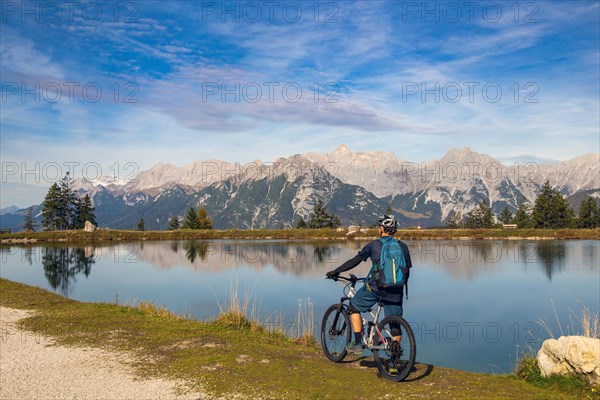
pixel 397 359
pixel 335 333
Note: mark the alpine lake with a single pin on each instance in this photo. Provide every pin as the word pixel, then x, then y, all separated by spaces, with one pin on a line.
pixel 475 305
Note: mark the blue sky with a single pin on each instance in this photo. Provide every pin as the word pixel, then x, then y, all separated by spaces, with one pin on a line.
pixel 96 85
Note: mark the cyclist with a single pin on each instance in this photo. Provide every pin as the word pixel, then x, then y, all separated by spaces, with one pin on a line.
pixel 369 294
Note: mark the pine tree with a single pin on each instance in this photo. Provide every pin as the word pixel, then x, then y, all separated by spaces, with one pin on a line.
pixel 301 224
pixel 191 220
pixel 63 210
pixel 67 203
pixel 523 217
pixel 388 210
pixel 480 217
pixel 323 219
pixel 551 210
pixel 589 214
pixel 506 216
pixel 141 226
pixel 174 223
pixel 204 221
pixel 454 220
pixel 488 215
pixel 50 215
pixel 28 222
pixel 85 212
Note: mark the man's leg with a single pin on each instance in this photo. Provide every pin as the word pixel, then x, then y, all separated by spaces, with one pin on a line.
pixel 362 301
pixel 394 309
pixel 356 322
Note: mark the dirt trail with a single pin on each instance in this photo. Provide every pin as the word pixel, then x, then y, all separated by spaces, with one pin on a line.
pixel 32 367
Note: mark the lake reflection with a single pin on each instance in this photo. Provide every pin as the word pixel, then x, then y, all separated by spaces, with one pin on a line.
pixel 63 264
pixel 472 303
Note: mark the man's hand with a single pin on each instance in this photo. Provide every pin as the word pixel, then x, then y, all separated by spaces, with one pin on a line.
pixel 332 275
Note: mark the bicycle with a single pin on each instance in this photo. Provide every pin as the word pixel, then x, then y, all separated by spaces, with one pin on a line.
pixel 394 358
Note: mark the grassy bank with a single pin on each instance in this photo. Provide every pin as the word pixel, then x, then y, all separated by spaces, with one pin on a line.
pixel 101 235
pixel 226 358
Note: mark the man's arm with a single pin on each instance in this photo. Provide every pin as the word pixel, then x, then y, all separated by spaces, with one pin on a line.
pixel 348 265
pixel 362 255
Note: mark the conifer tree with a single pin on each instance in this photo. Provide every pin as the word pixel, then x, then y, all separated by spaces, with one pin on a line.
pixel 589 214
pixel 480 217
pixel 523 216
pixel 84 212
pixel 551 210
pixel 62 208
pixel 191 220
pixel 50 214
pixel 174 223
pixel 204 221
pixel 506 216
pixel 321 218
pixel 454 220
pixel 29 224
pixel 141 226
pixel 301 224
pixel 67 203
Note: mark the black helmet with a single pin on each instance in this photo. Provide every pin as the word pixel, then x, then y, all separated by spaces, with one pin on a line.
pixel 388 222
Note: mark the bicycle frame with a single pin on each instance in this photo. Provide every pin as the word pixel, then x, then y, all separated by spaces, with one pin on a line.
pixel 373 329
pixel 372 324
pixel 394 354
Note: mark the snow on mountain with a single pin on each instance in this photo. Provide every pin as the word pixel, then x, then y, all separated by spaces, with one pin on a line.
pixel 459 180
pixel 571 176
pixel 198 174
pixel 380 172
pixel 354 185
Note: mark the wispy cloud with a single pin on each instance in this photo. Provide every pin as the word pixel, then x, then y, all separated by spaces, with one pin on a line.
pixel 165 57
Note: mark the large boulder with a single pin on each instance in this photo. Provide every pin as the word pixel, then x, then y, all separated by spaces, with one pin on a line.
pixel 571 355
pixel 89 227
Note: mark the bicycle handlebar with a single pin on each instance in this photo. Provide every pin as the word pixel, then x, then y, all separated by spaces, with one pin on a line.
pixel 353 279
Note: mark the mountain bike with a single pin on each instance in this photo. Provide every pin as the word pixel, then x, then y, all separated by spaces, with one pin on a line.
pixel 394 353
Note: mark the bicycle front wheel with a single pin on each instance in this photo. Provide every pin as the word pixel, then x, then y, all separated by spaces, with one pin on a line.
pixel 335 333
pixel 396 358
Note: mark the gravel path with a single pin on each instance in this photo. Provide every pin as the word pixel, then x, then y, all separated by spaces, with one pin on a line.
pixel 31 367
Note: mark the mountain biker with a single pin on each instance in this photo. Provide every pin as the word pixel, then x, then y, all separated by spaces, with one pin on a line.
pixel 369 294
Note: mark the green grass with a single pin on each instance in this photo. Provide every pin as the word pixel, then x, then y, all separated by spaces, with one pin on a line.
pixel 528 370
pixel 226 358
pixel 321 234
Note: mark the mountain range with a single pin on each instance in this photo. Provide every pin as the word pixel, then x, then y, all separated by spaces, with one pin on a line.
pixel 356 186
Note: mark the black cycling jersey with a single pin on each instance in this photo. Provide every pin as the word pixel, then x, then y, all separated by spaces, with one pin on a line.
pixel 373 251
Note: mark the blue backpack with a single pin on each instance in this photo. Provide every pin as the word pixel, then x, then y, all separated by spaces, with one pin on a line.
pixel 392 271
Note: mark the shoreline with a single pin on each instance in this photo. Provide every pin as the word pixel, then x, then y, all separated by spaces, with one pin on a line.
pixel 108 235
pixel 215 359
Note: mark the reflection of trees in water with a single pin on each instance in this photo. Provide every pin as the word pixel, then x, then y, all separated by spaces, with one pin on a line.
pixel 551 256
pixel 590 258
pixel 193 250
pixel 300 258
pixel 487 251
pixel 63 264
pixel 324 252
pixel 28 255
